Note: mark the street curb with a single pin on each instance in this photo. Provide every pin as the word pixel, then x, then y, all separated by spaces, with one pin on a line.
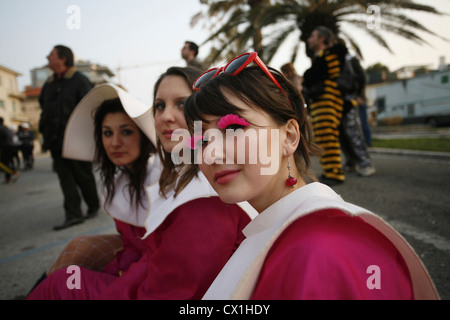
pixel 412 153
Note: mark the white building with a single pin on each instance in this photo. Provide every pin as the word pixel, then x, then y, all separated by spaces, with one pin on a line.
pixel 422 99
pixel 10 97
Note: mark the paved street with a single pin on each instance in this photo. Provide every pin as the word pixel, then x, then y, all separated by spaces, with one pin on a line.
pixel 29 208
pixel 411 192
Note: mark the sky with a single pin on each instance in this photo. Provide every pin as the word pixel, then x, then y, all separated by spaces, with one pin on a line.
pixel 143 38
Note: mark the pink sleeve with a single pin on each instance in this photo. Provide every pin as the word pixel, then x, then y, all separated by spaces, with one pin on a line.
pixel 189 250
pixel 330 255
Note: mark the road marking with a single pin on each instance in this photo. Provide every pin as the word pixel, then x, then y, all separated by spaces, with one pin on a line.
pixel 418 158
pixel 437 241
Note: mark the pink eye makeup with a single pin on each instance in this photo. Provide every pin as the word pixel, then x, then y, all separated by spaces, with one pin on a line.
pixel 225 122
pixel 231 119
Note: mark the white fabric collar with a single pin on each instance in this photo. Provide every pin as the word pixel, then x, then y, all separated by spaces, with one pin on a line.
pixel 161 207
pixel 155 207
pixel 197 188
pixel 280 211
pixel 238 278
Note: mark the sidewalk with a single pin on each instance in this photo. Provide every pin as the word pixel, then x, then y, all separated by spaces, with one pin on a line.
pixel 412 153
pixel 409 132
pixel 29 208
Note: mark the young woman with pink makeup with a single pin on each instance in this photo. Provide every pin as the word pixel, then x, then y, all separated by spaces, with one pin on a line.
pixel 306 242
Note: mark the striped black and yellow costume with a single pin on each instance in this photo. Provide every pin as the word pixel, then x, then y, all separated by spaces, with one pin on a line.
pixel 326 110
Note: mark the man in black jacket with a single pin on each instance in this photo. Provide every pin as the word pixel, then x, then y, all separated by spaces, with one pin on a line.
pixel 59 97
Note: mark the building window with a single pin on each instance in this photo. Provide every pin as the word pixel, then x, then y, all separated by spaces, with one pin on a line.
pixel 411 110
pixel 41 75
pixel 380 104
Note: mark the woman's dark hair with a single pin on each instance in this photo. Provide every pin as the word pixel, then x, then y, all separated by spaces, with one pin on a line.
pixel 256 89
pixel 169 174
pixel 136 172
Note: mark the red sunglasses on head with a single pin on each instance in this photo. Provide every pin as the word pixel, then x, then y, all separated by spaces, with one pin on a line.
pixel 234 67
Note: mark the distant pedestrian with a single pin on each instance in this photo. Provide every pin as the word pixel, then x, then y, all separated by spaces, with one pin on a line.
pixel 359 95
pixel 353 145
pixel 16 146
pixel 189 53
pixel 289 72
pixel 357 157
pixel 6 153
pixel 327 103
pixel 364 117
pixel 59 97
pixel 26 146
pixel 361 100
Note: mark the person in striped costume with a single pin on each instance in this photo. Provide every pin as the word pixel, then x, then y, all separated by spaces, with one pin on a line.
pixel 320 83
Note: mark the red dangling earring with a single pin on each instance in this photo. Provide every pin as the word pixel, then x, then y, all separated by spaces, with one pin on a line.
pixel 290 181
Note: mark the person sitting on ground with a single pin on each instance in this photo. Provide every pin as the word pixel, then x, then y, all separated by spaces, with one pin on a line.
pixel 189 233
pixel 306 242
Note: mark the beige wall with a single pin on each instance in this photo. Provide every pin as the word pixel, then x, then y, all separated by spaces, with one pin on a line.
pixel 10 97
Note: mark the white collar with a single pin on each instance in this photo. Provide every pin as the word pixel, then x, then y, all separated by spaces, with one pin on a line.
pixel 239 276
pixel 161 207
pixel 281 210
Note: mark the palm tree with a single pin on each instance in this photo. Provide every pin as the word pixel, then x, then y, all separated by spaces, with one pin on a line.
pixel 238 13
pixel 238 24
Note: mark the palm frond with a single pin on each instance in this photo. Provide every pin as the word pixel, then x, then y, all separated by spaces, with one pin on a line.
pixel 239 24
pixel 276 40
pixel 373 33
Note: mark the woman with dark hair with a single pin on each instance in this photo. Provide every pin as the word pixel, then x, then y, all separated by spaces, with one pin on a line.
pixel 189 232
pixel 109 162
pixel 306 242
pixel 127 162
